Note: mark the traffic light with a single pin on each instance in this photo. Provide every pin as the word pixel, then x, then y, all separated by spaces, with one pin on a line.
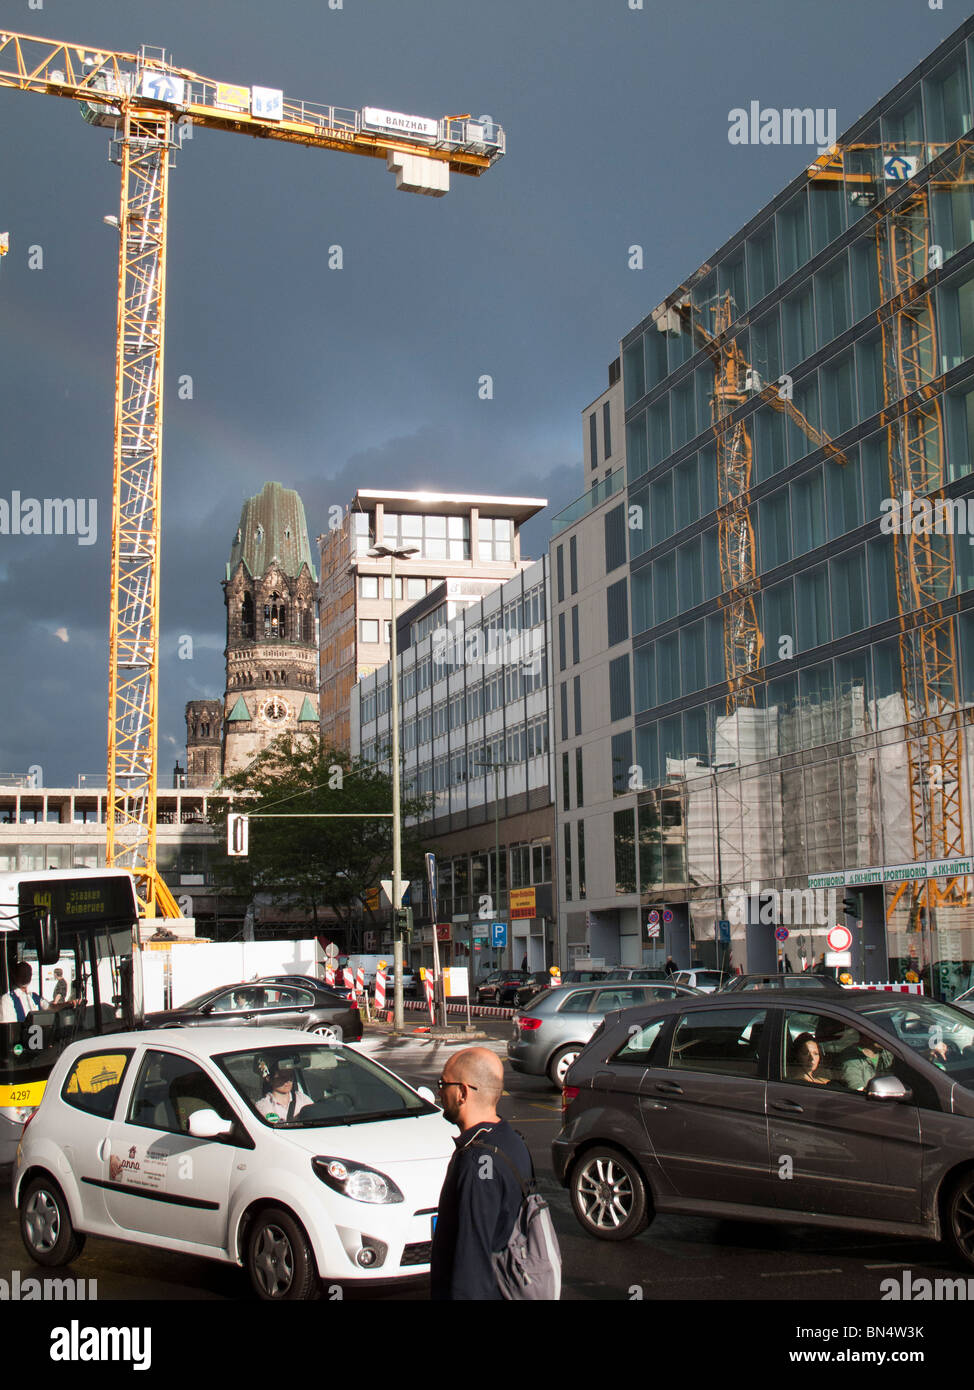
pixel 403 922
pixel 850 907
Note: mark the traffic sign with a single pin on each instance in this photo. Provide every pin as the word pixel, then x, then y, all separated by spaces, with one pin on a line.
pixel 652 930
pixel 781 933
pixel 723 927
pixel 667 915
pixel 238 833
pixel 498 935
pixel 331 951
pixel 839 938
pixel 653 917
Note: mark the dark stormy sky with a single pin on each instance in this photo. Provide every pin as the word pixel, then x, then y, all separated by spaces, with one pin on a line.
pixel 617 123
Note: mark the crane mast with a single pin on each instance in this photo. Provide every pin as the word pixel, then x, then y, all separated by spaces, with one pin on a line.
pixel 143 98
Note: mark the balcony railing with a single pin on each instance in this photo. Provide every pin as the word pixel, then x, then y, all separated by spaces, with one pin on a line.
pixel 589 501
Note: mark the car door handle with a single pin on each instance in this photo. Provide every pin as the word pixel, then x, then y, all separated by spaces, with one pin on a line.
pixel 669 1088
pixel 104 1149
pixel 791 1106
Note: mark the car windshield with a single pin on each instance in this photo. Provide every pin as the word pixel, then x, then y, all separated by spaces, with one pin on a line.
pixel 311 1086
pixel 199 1000
pixel 940 1033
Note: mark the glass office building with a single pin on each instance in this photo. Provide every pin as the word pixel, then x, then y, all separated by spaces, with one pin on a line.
pixel 799 420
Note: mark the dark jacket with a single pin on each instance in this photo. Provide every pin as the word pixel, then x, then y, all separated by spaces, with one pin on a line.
pixel 479 1203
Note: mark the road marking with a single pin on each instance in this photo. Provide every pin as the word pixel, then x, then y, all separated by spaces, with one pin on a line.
pixel 797 1273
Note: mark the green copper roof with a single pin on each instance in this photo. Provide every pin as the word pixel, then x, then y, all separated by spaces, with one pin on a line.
pixel 272 527
pixel 239 710
pixel 308 712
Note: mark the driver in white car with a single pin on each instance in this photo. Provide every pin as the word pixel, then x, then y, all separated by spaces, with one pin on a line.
pixel 282 1098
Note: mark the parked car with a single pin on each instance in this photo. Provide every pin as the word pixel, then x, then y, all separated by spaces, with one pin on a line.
pixel 584 977
pixel 344 1190
pixel 501 987
pixel 267 1005
pixel 640 973
pixel 705 980
pixel 805 981
pixel 552 1029
pixel 965 1001
pixel 534 984
pixel 690 1106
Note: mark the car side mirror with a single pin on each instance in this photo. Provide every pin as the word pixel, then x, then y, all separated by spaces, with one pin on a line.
pixel 426 1093
pixel 206 1124
pixel 888 1088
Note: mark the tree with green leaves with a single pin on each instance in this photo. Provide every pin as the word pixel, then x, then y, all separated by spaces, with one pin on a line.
pixel 316 864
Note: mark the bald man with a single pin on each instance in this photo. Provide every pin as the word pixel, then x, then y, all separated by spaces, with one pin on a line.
pixel 481 1196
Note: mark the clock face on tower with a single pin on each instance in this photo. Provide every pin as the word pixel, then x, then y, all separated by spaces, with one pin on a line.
pixel 274 710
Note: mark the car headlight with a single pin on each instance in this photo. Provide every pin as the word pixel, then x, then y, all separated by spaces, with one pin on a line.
pixel 357 1181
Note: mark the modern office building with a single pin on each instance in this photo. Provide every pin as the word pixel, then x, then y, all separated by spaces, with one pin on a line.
pixel 455 537
pixel 799 584
pixel 475 725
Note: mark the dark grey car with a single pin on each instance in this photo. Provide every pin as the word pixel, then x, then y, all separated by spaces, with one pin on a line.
pixel 267 1004
pixel 551 1030
pixel 854 1112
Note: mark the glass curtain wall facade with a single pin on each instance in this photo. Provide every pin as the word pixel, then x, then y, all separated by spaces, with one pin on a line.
pixel 800 464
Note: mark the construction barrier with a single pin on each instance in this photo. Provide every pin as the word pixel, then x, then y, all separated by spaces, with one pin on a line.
pixel 380 990
pixel 893 987
pixel 429 981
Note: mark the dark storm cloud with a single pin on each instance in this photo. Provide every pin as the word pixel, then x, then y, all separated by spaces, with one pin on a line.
pixel 331 380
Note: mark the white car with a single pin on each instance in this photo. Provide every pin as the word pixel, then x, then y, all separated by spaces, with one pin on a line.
pixel 191 1140
pixel 699 978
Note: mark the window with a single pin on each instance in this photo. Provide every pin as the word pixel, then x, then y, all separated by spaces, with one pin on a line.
pixel 615 538
pixel 621 762
pixel 495 539
pixel 368 630
pixel 606 430
pixel 794 245
pixel 577 690
pixel 624 844
pixel 169 1090
pixel 94 1082
pixel 560 573
pixel 593 440
pixel 576 656
pixel 564 710
pixel 617 613
pixel 723 1042
pixel 581 859
pixel 566 786
pixel 579 781
pixel 573 564
pixel 562 643
pixel 640 1043
pixel 569 886
pixel 620 701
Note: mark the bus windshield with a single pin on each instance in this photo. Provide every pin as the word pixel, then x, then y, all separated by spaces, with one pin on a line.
pixel 92 987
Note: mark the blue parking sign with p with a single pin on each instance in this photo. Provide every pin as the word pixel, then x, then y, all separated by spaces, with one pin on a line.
pixel 498 934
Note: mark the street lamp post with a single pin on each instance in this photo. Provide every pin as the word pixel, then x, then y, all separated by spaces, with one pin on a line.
pixel 393 553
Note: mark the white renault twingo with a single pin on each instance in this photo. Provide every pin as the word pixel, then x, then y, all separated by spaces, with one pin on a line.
pixel 300 1159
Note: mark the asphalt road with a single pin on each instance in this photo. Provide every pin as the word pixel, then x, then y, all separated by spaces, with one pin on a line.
pixel 675 1259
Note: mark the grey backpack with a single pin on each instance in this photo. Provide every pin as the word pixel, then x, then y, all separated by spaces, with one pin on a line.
pixel 529 1266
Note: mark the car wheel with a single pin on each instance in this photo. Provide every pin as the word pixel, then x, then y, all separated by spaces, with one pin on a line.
pixel 959 1217
pixel 559 1064
pixel 280 1261
pixel 330 1031
pixel 609 1195
pixel 45 1225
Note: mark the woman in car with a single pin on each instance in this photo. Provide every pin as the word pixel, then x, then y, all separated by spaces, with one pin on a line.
pixel 804 1061
pixel 282 1098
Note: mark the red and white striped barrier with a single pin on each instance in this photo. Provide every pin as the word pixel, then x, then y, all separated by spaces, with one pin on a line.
pixel 429 981
pixel 329 977
pixel 360 980
pixel 894 987
pixel 380 989
pixel 349 981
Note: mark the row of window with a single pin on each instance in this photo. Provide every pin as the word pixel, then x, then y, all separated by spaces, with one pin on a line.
pixel 850 387
pixel 275 622
pixel 914 130
pixel 593 436
pixel 368 587
pixel 859 693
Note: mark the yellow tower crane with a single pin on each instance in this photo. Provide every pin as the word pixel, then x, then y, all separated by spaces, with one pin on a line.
pixel 145 99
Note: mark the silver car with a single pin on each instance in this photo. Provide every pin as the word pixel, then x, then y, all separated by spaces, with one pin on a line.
pixel 554 1027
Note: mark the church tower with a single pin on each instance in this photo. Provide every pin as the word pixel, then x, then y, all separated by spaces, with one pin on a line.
pixel 271 653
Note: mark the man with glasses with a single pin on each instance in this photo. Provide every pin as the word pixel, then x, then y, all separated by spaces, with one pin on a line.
pixel 481 1196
